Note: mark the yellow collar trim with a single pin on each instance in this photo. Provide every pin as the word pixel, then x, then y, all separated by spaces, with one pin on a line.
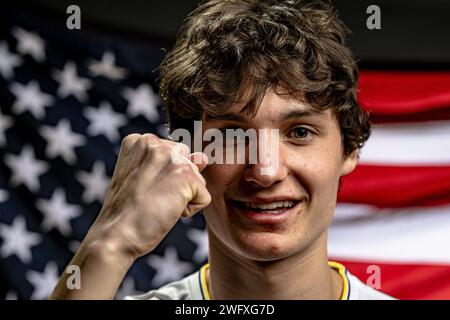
pixel 205 289
pixel 332 264
pixel 341 270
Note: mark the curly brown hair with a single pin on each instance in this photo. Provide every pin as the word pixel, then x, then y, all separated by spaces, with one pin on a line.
pixel 228 50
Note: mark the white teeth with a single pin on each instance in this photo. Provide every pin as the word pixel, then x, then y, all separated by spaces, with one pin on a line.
pixel 268 206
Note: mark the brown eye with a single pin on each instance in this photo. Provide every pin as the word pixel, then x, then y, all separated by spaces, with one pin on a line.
pixel 300 133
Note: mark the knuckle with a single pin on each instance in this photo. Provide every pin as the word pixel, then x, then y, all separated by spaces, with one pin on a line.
pixel 182 148
pixel 207 197
pixel 157 154
pixel 129 140
pixel 146 140
pixel 204 193
pixel 183 174
pixel 150 138
pixel 184 170
pixel 161 152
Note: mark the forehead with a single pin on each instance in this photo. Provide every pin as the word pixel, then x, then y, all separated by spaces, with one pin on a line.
pixel 274 108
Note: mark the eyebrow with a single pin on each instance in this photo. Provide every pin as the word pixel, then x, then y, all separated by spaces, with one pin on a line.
pixel 302 114
pixel 284 116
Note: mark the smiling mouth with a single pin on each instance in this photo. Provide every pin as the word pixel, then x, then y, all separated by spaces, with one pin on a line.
pixel 274 207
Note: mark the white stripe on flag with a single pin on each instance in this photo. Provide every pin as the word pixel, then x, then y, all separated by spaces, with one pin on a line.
pixel 407 235
pixel 408 144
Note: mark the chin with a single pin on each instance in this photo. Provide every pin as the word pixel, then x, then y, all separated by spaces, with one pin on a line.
pixel 260 238
pixel 264 246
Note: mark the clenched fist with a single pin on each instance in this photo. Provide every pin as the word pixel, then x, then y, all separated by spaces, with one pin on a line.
pixel 151 188
pixel 155 182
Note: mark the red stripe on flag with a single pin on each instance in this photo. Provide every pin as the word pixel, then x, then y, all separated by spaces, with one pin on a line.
pixel 403 93
pixel 401 96
pixel 406 281
pixel 396 186
pixel 429 115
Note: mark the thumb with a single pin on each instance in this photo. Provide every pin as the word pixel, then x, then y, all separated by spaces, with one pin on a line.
pixel 200 160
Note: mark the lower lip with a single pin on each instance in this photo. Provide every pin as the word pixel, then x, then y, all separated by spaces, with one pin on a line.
pixel 260 217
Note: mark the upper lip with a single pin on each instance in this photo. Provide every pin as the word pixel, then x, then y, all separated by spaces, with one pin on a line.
pixel 267 199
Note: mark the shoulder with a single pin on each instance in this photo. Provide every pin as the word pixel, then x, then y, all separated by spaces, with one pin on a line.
pixel 188 288
pixel 360 291
pixel 355 289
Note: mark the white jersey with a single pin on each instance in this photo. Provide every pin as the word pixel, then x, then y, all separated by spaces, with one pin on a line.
pixel 193 287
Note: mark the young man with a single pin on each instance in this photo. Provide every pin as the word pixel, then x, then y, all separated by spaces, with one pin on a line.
pixel 245 64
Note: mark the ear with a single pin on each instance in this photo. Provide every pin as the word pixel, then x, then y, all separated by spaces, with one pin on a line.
pixel 350 162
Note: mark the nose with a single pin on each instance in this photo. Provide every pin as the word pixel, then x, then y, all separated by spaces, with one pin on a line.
pixel 253 173
pixel 270 167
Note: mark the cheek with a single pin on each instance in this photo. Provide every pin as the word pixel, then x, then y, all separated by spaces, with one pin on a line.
pixel 211 172
pixel 318 171
pixel 326 160
pixel 324 185
pixel 218 178
pixel 318 176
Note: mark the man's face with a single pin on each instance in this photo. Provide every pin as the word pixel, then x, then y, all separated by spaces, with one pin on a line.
pixel 272 216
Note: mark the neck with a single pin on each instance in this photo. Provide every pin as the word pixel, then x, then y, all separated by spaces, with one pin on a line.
pixel 304 275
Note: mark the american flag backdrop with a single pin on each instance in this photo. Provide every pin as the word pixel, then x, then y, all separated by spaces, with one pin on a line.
pixel 67 99
pixel 394 209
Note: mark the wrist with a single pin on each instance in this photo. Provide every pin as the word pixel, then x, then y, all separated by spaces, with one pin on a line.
pixel 109 251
